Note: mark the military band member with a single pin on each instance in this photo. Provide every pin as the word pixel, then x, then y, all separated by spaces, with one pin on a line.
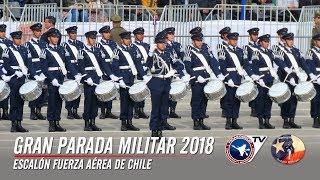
pixel 233 62
pixel 127 65
pixel 144 50
pixel 107 46
pixel 201 64
pixel 313 60
pixel 72 46
pixel 92 63
pixel 56 62
pixel 34 47
pixel 4 43
pixel 281 41
pixel 293 59
pixel 162 67
pixel 16 60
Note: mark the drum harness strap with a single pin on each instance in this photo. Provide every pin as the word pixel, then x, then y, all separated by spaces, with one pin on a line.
pixel 94 63
pixel 295 65
pixel 318 55
pixel 236 62
pixel 268 62
pixel 59 61
pixel 203 61
pixel 38 50
pixel 143 51
pixel 20 61
pixel 129 60
pixel 109 51
pixel 74 52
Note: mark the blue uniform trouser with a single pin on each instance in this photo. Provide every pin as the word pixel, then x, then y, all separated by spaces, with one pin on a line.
pixel 106 105
pixel 54 104
pixel 90 103
pixel 172 104
pixel 38 103
pixel 16 102
pixel 288 108
pixel 73 104
pixel 5 103
pixel 263 103
pixel 198 101
pixel 139 104
pixel 126 105
pixel 315 103
pixel 230 104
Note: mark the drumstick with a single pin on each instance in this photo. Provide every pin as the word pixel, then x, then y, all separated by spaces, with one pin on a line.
pixel 93 83
pixel 206 79
pixel 314 81
pixel 230 86
pixel 286 76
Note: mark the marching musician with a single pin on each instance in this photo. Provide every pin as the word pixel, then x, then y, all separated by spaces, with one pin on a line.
pixel 176 50
pixel 250 47
pixel 34 47
pixel 313 60
pixel 144 50
pixel 16 60
pixel 107 46
pixel 92 63
pixel 162 67
pixel 202 65
pixel 56 62
pixel 127 64
pixel 293 59
pixel 233 62
pixel 72 46
pixel 4 44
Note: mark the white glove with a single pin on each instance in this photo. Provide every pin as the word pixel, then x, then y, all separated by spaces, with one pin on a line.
pixel 230 83
pixel 78 78
pixel 122 84
pixel 201 79
pixel 18 73
pixel 276 77
pixel 261 82
pixel 89 82
pixel 146 78
pixel 255 77
pixel 221 77
pixel 288 70
pixel 152 48
pixel 170 73
pixel 6 78
pixel 114 78
pixel 186 78
pixel 37 78
pixel 313 77
pixel 247 78
pixel 55 83
pixel 144 68
pixel 318 81
pixel 43 76
pixel 292 82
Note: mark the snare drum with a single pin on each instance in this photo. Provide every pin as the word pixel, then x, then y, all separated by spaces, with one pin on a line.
pixel 247 92
pixel 4 90
pixel 178 90
pixel 30 91
pixel 279 92
pixel 70 90
pixel 139 91
pixel 214 90
pixel 106 91
pixel 305 91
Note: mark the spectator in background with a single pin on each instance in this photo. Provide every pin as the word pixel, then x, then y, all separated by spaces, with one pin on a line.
pixel 205 6
pixel 78 11
pixel 134 13
pixel 292 5
pixel 316 26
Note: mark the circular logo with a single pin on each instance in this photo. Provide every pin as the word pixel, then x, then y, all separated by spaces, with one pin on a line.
pixel 288 149
pixel 240 149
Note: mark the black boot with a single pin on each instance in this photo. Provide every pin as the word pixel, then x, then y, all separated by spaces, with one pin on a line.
pixel 293 125
pixel 167 126
pixel 261 123
pixel 59 128
pixel 20 128
pixel 131 127
pixel 142 114
pixel 196 125
pixel 87 126
pixel 93 126
pixel 206 116
pixel 286 124
pixel 13 126
pixel 110 115
pixel 223 114
pixel 0 114
pixel 203 126
pixel 154 134
pixel 33 115
pixel 173 114
pixel 5 114
pixel 52 126
pixel 124 125
pixel 39 115
pixel 228 125
pixel 75 114
pixel 136 114
pixel 253 113
pixel 235 125
pixel 267 124
pixel 316 122
pixel 70 114
pixel 103 113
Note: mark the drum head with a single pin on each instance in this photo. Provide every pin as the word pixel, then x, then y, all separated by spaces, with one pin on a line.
pixel 137 88
pixel 2 85
pixel 213 86
pixel 104 87
pixel 28 87
pixel 244 89
pixel 278 89
pixel 68 87
pixel 177 87
pixel 303 88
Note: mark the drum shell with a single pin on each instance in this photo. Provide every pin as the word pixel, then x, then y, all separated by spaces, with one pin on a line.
pixel 107 96
pixel 32 95
pixel 213 96
pixel 250 96
pixel 306 97
pixel 141 96
pixel 283 98
pixel 75 94
pixel 5 92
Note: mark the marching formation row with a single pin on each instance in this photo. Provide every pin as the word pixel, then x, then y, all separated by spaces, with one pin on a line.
pixel 164 70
